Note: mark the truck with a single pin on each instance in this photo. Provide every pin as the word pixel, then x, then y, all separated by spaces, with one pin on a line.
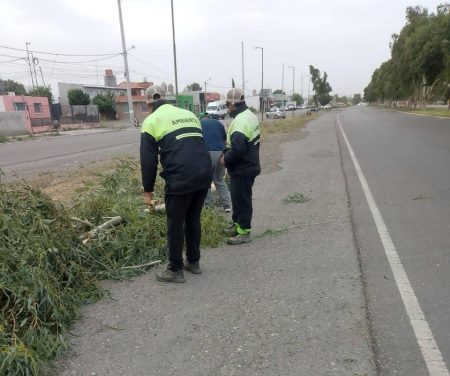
pixel 217 110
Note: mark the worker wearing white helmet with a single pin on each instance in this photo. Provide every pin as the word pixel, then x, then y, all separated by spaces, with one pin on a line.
pixel 241 158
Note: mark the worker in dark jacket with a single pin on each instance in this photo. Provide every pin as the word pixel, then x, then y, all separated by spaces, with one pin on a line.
pixel 241 158
pixel 175 135
pixel 215 138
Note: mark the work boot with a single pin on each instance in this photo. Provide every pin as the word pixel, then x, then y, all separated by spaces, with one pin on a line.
pixel 226 209
pixel 193 268
pixel 239 239
pixel 171 276
pixel 230 230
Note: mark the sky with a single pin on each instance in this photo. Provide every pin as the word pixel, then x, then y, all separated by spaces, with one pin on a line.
pixel 347 39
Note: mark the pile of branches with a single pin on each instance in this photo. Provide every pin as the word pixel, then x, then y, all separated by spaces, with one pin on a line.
pixel 52 258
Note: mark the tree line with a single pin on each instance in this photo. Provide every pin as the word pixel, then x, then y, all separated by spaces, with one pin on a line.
pixel 418 71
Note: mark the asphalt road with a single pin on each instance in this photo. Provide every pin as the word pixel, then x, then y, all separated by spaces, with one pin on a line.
pixel 406 162
pixel 53 153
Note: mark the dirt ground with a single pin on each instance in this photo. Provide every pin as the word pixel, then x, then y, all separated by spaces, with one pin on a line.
pixel 62 185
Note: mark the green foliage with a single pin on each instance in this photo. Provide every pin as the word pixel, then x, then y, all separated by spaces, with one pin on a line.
pixel 321 87
pixel 419 67
pixel 47 272
pixel 298 99
pixel 44 278
pixel 78 97
pixel 106 105
pixel 295 198
pixel 193 87
pixel 42 91
pixel 13 86
pixel 3 139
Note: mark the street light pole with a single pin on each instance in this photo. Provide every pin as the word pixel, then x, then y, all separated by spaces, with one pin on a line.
pixel 174 55
pixel 125 60
pixel 293 88
pixel 262 81
pixel 243 77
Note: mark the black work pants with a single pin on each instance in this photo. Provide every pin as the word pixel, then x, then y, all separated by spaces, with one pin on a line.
pixel 183 222
pixel 241 200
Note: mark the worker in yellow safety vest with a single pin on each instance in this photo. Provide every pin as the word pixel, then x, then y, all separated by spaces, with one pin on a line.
pixel 175 135
pixel 241 158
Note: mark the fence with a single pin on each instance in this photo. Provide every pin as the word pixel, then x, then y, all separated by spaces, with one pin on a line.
pixel 77 114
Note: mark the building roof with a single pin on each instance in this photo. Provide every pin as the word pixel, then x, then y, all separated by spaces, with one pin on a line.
pixel 133 85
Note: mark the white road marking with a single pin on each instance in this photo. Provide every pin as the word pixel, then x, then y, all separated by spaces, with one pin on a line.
pixel 430 351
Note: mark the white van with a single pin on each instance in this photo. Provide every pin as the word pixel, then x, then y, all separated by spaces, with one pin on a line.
pixel 217 110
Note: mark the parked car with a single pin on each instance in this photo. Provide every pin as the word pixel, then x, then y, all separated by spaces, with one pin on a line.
pixel 275 113
pixel 216 110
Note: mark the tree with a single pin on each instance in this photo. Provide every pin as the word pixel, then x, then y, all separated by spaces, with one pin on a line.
pixel 321 87
pixel 42 91
pixel 356 99
pixel 78 97
pixel 298 99
pixel 419 67
pixel 279 91
pixel 106 105
pixel 193 87
pixel 12 86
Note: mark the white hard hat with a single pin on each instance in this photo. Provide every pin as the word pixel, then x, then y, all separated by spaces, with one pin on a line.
pixel 235 96
pixel 154 93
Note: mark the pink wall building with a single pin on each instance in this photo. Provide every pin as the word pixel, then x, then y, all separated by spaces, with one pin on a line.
pixel 36 109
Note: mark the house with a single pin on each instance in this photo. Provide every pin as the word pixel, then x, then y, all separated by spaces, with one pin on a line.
pixel 24 113
pixel 137 97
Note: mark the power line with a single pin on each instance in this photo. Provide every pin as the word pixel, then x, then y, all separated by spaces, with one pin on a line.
pixel 63 62
pixel 58 54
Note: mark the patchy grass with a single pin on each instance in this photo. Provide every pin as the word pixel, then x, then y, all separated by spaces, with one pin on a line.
pixel 272 232
pixel 274 133
pixel 444 112
pixel 295 198
pixel 288 125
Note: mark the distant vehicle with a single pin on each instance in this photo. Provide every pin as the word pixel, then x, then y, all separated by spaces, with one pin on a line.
pixel 327 107
pixel 217 110
pixel 275 113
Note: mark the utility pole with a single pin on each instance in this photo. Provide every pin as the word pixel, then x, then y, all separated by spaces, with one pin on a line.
pixel 205 91
pixel 309 83
pixel 42 76
pixel 35 62
pixel 301 91
pixel 29 62
pixel 282 80
pixel 243 77
pixel 262 81
pixel 174 55
pixel 293 79
pixel 125 60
